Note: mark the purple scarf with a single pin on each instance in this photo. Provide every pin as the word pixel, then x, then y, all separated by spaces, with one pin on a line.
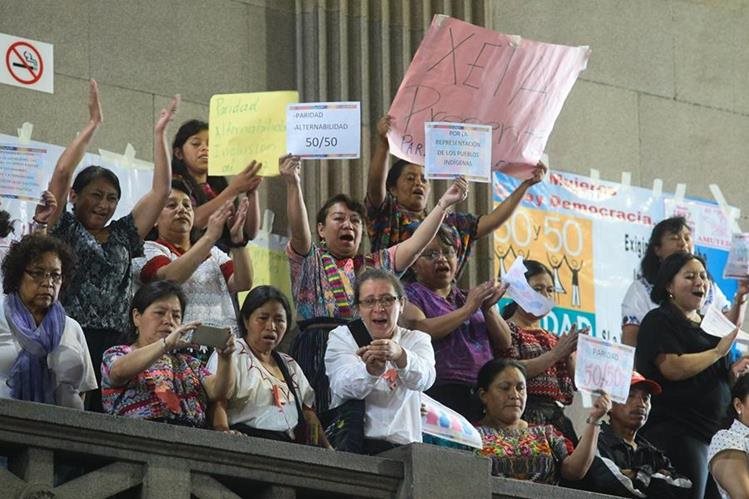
pixel 29 377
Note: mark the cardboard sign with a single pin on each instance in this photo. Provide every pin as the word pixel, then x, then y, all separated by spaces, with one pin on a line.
pixel 27 63
pixel 601 365
pixel 463 73
pixel 454 149
pixel 320 130
pixel 246 127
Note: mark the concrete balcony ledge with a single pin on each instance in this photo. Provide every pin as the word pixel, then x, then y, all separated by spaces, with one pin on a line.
pixel 59 452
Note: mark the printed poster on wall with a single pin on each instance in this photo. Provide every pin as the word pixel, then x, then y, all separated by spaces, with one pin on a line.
pixel 592 236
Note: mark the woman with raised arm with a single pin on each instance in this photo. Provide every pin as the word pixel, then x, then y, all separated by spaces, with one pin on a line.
pixel 397 200
pixel 323 275
pixel 691 366
pixel 520 449
pixel 549 359
pixel 151 376
pixel 207 275
pixel 98 294
pixel 190 162
pixel 465 326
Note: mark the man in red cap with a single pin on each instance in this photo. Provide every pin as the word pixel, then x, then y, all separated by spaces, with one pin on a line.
pixel 626 464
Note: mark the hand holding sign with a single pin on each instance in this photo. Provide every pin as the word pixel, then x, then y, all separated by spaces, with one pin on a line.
pixel 604 366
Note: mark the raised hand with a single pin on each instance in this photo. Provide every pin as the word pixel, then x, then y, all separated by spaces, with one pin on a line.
pixel 538 173
pixel 290 168
pixel 601 407
pixel 247 180
pixel 383 127
pixel 478 295
pixel 167 114
pixel 46 207
pixel 726 342
pixel 567 343
pixel 235 222
pixel 228 348
pixel 499 291
pixel 217 220
pixel 94 104
pixel 456 193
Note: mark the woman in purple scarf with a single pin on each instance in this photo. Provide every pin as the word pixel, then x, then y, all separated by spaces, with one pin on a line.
pixel 43 353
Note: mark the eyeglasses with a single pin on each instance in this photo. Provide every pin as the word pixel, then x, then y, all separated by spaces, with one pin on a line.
pixel 40 276
pixel 386 301
pixel 435 254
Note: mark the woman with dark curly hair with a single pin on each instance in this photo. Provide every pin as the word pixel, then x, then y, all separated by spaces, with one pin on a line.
pixel 43 353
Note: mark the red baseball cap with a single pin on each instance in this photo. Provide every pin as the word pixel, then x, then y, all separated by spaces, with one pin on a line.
pixel 639 379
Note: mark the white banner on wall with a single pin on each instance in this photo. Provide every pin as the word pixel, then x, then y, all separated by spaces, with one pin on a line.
pixel 592 234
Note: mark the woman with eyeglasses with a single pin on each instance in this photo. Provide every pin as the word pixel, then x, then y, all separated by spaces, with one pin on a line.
pixel 323 275
pixel 390 373
pixel 465 327
pixel 43 352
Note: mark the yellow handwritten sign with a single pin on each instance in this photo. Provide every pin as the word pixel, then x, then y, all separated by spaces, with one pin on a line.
pixel 246 127
pixel 271 267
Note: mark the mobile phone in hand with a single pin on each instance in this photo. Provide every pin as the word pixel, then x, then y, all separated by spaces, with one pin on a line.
pixel 210 336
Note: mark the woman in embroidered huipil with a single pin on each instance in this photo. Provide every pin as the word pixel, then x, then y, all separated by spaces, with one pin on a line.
pixel 548 359
pixel 98 294
pixel 151 377
pixel 323 275
pixel 207 275
pixel 522 450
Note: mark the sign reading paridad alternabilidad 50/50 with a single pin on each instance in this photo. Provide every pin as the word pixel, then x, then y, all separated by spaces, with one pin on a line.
pixel 324 130
pixel 455 149
pixel 602 365
pixel 26 63
pixel 468 74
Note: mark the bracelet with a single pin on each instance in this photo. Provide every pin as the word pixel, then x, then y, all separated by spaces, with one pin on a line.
pixel 589 420
pixel 38 223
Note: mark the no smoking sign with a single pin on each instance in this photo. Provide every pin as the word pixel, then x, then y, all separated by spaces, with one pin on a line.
pixel 26 63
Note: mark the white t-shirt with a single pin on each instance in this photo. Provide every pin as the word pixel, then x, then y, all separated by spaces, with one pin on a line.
pixel 207 292
pixel 393 400
pixel 734 438
pixel 637 303
pixel 252 402
pixel 70 362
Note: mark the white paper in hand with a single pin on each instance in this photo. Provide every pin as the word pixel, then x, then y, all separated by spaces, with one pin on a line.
pixel 525 296
pixel 716 324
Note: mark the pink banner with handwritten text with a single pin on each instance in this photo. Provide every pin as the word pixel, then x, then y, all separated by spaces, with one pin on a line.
pixel 468 74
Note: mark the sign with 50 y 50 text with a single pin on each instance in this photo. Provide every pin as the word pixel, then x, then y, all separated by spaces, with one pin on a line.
pixel 604 366
pixel 320 130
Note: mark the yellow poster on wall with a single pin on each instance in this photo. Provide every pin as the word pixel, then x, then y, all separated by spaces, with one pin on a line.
pixel 247 127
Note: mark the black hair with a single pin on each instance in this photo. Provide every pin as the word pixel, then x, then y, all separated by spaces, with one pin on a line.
pixel 373 274
pixel 179 184
pixel 493 368
pixel 258 297
pixel 739 391
pixel 352 205
pixel 148 294
pixel 669 268
pixel 29 249
pixel 6 224
pixel 179 168
pixel 650 263
pixel 533 268
pixel 395 172
pixel 93 172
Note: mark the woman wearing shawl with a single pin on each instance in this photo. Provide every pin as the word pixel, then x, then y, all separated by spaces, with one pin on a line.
pixel 43 353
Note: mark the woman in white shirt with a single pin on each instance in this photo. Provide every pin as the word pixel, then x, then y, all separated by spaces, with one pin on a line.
pixel 207 275
pixel 262 404
pixel 43 353
pixel 728 455
pixel 390 373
